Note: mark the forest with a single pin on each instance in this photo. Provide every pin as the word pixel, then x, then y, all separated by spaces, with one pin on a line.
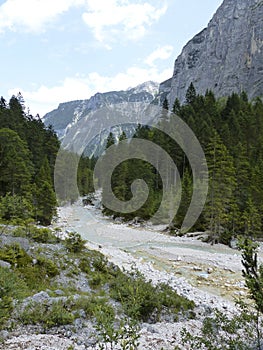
pixel 230 131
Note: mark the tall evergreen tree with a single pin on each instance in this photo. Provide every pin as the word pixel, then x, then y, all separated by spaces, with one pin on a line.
pixel 15 164
pixel 221 186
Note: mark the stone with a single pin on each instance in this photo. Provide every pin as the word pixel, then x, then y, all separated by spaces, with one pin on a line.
pixel 225 57
pixel 5 264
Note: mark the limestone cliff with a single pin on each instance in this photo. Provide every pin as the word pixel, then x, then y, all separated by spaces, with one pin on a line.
pixel 227 56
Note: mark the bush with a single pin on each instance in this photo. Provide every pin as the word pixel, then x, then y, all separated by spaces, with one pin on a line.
pixel 11 287
pixel 223 332
pixel 42 235
pixel 47 266
pixel 48 316
pixel 74 242
pixel 15 255
pixel 141 300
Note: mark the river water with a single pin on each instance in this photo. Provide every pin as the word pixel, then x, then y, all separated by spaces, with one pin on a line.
pixel 216 269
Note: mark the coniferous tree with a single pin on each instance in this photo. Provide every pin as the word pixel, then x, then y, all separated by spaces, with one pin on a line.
pixel 44 197
pixel 221 187
pixel 15 165
pixel 190 95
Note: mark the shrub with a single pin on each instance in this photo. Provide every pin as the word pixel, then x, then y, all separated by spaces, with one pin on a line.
pixel 47 266
pixel 48 316
pixel 11 287
pixel 141 300
pixel 15 255
pixel 74 242
pixel 42 235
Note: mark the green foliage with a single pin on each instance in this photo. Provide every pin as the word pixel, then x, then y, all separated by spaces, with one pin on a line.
pixel 15 255
pixel 141 300
pixel 11 287
pixel 15 208
pixel 253 273
pixel 85 176
pixel 41 235
pixel 111 333
pixel 48 316
pixel 26 145
pixel 220 331
pixel 230 131
pixel 47 266
pixel 44 196
pixel 74 242
pixel 15 167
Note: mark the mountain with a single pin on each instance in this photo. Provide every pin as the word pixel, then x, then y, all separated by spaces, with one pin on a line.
pixel 69 114
pixel 225 57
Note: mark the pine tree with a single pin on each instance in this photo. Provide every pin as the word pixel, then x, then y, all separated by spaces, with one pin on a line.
pixel 44 196
pixel 110 140
pixel 221 187
pixel 190 95
pixel 15 165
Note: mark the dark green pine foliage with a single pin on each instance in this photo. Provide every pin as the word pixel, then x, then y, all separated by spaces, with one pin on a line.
pixel 222 183
pixel 44 195
pixel 16 167
pixel 230 131
pixel 27 156
pixel 85 175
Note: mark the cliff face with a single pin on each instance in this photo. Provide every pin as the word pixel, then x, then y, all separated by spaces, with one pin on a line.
pixel 225 57
pixel 69 113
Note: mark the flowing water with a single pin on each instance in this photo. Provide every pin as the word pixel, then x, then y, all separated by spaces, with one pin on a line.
pixel 216 269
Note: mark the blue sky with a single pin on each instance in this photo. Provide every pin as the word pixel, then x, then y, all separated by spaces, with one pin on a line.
pixel 54 51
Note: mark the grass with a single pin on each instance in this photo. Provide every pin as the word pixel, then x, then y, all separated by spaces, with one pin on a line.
pixel 36 270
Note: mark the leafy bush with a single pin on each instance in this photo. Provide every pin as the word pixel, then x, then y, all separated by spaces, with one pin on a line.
pixel 74 242
pixel 141 300
pixel 42 235
pixel 48 316
pixel 47 266
pixel 11 287
pixel 15 255
pixel 223 332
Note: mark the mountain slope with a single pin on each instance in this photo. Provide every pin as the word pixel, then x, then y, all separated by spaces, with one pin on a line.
pixel 225 57
pixel 69 113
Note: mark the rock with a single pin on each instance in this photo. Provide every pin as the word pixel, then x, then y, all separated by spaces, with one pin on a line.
pixel 4 334
pixel 59 292
pixel 210 270
pixel 197 268
pixel 226 56
pixel 40 297
pixel 68 114
pixel 233 243
pixel 5 264
pixel 151 329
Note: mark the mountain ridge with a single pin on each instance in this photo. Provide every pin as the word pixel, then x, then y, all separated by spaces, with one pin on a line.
pixel 69 113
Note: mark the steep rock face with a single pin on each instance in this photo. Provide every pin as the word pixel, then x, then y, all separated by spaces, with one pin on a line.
pixel 69 113
pixel 227 56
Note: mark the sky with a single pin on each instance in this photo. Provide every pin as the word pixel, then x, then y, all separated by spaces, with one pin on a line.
pixel 54 51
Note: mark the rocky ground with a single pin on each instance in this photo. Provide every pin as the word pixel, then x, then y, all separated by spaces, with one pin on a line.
pixel 208 275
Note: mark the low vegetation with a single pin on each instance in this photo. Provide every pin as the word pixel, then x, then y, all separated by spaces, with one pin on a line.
pixel 35 263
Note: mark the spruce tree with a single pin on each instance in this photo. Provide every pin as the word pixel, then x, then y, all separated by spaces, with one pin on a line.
pixel 221 187
pixel 15 166
pixel 44 196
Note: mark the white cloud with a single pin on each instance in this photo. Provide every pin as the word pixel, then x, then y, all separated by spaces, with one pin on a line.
pixel 45 99
pixel 115 19
pixel 32 15
pixel 162 53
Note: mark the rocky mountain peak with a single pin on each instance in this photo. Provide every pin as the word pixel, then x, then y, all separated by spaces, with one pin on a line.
pixel 225 57
pixel 69 113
